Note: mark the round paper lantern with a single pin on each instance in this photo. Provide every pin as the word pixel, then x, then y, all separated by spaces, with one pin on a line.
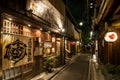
pixel 72 42
pixel 110 37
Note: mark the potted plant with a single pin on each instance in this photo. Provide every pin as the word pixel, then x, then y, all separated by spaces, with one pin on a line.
pixel 48 63
pixel 111 71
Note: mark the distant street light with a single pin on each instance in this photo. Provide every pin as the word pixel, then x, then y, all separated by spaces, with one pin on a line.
pixel 91 34
pixel 81 23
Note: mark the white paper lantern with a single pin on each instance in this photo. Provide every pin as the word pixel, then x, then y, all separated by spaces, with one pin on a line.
pixel 111 36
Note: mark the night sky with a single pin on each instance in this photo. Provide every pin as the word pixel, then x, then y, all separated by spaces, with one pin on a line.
pixel 77 9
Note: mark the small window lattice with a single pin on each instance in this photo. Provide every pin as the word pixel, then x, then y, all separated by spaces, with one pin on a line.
pixel 14 28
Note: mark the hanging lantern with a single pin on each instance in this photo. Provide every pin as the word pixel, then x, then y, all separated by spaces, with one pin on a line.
pixel 72 42
pixel 111 36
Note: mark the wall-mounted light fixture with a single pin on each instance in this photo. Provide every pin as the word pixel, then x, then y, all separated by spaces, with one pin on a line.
pixel 41 29
pixel 10 19
pixel 91 3
pixel 48 31
pixel 63 30
pixel 29 25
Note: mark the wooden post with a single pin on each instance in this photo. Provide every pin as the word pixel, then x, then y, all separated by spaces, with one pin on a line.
pixel 0 48
pixel 110 52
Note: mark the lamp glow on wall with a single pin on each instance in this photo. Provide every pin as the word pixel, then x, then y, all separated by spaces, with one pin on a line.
pixel 111 36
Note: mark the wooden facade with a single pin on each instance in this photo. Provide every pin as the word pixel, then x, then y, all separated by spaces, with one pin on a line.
pixel 31 36
pixel 38 37
pixel 108 21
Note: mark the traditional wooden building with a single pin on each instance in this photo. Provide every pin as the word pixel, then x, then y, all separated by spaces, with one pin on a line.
pixel 107 19
pixel 31 30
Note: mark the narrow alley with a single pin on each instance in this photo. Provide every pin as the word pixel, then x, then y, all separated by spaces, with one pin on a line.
pixel 76 70
pixel 60 40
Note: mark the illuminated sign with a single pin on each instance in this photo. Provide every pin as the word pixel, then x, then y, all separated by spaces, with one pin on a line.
pixel 110 37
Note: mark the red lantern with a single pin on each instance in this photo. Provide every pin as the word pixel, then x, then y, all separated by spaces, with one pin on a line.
pixel 72 42
pixel 111 36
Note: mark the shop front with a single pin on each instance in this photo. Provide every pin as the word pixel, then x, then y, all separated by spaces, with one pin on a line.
pixel 25 48
pixel 17 49
pixel 29 38
pixel 46 45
